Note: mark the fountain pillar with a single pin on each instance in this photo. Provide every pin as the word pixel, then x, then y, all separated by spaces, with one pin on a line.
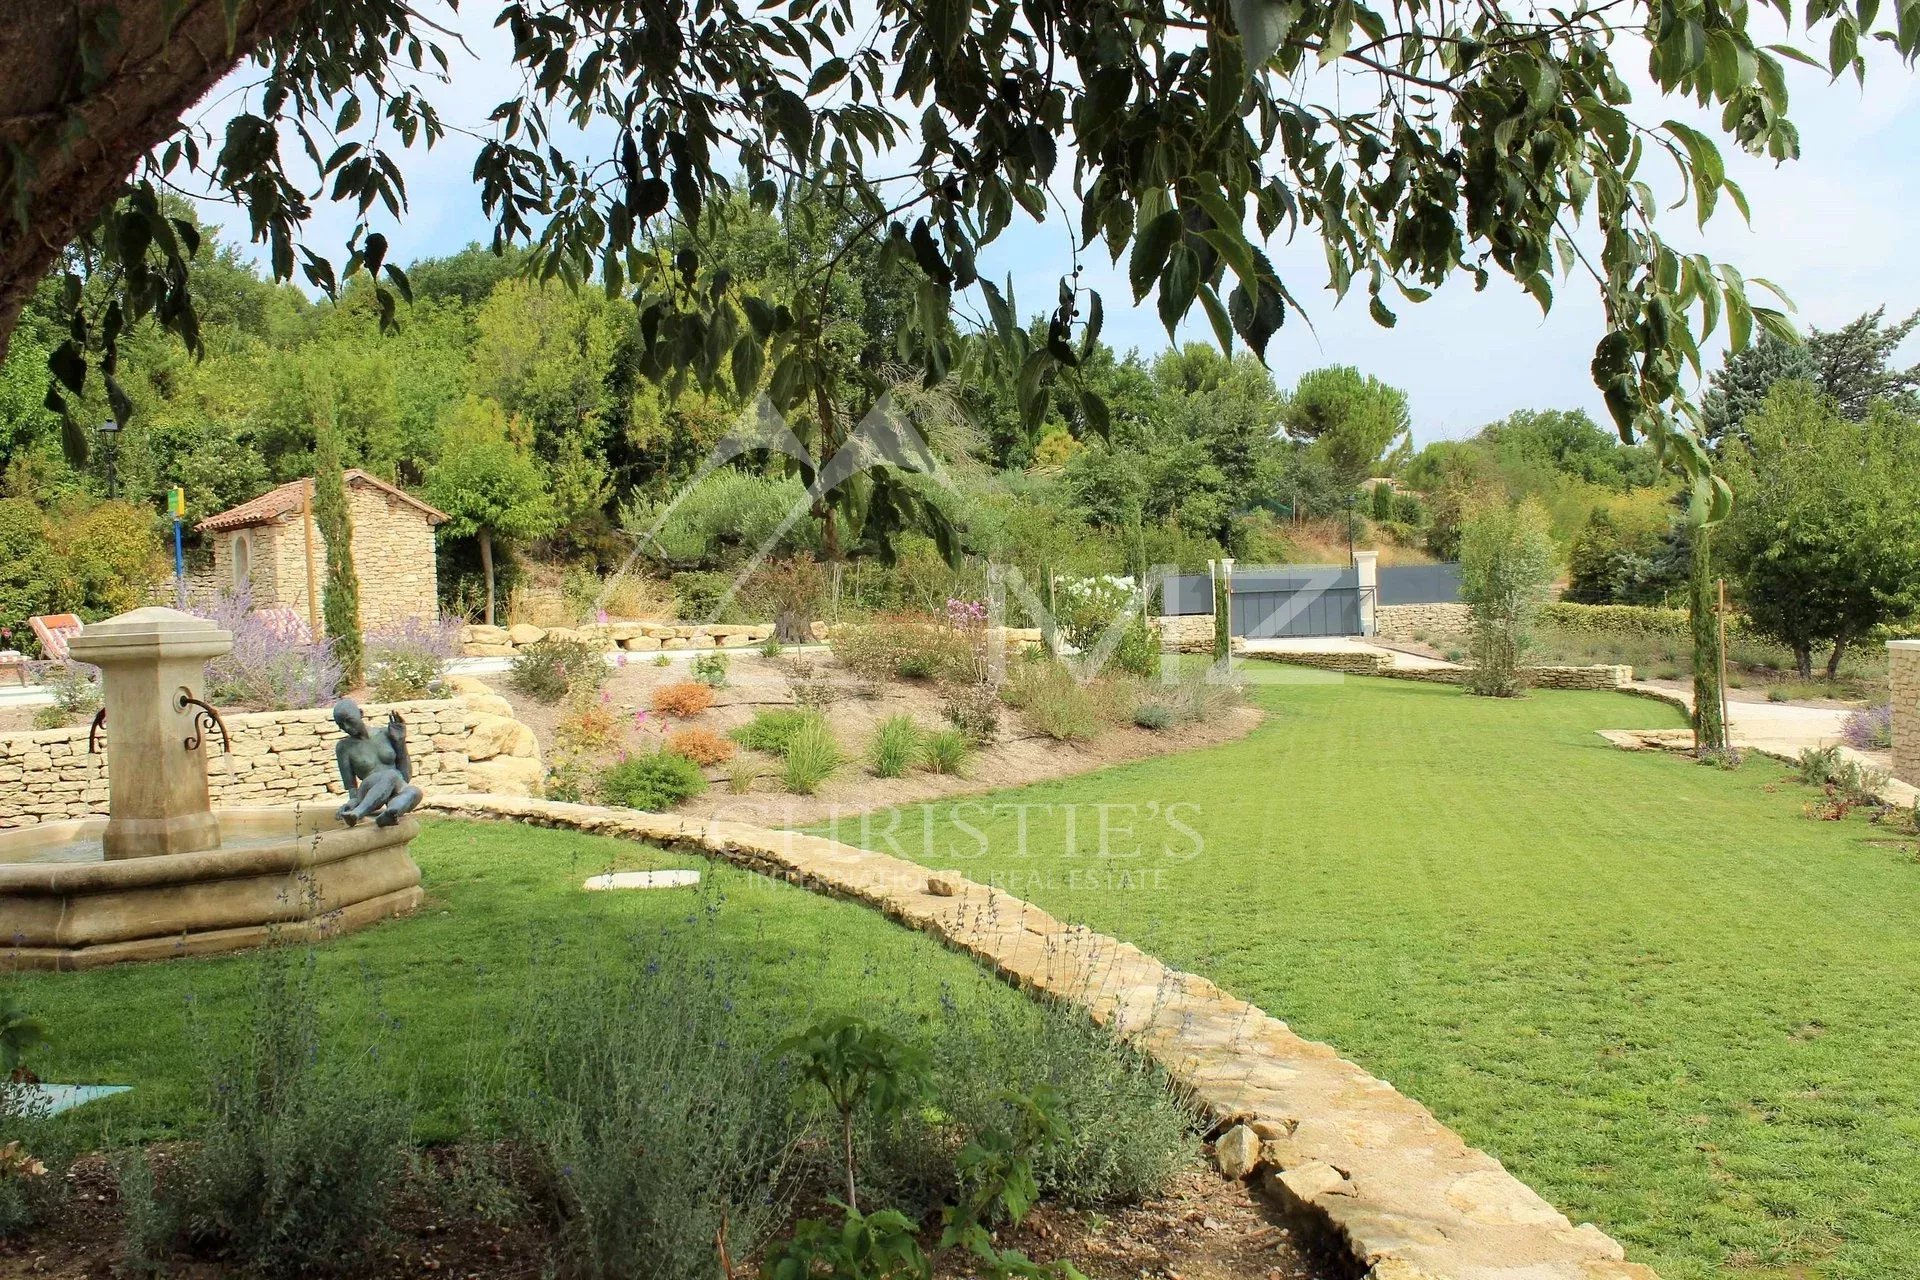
pixel 150 660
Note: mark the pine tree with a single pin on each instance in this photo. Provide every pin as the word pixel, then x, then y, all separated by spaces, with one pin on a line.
pixel 341 598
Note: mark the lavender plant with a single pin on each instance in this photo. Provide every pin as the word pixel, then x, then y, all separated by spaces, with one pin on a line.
pixel 1870 728
pixel 410 660
pixel 275 663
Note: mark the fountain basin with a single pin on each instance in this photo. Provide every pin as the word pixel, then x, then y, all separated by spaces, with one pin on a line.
pixel 288 873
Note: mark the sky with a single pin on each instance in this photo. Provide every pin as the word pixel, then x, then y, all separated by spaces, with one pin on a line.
pixel 1836 230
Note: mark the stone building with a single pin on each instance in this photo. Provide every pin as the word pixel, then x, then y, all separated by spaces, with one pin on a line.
pixel 273 548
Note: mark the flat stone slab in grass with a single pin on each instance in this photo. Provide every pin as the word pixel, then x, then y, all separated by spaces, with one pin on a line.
pixel 52 1099
pixel 643 880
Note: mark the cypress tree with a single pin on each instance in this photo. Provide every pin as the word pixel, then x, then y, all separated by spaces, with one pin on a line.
pixel 1709 726
pixel 340 601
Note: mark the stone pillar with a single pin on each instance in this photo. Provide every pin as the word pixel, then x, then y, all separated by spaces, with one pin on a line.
pixel 1903 673
pixel 1366 565
pixel 156 788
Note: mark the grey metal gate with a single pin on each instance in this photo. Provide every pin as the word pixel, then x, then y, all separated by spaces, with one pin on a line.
pixel 1296 600
pixel 1278 600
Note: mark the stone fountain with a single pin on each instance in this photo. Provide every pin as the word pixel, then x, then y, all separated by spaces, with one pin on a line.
pixel 164 873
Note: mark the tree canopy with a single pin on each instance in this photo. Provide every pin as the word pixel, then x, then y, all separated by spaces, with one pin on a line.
pixel 1826 533
pixel 1419 143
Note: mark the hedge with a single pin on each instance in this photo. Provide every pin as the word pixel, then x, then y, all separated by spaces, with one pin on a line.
pixel 1629 620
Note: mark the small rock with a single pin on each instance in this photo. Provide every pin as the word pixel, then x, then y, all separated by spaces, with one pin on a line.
pixel 1237 1152
pixel 944 884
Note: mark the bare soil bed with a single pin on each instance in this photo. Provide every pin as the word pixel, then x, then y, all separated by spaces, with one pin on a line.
pixel 755 683
pixel 1205 1228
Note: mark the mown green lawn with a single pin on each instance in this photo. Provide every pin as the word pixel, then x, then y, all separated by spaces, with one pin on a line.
pixel 444 987
pixel 1659 993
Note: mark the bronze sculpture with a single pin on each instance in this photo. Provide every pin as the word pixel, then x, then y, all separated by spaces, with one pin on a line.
pixel 374 767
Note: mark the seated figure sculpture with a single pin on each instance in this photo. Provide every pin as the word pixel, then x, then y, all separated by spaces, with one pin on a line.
pixel 374 768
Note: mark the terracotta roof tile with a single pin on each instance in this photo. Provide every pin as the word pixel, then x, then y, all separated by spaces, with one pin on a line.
pixel 286 500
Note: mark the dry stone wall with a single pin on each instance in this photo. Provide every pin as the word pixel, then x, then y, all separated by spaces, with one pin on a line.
pixel 1432 621
pixel 467 743
pixel 479 641
pixel 1365 663
pixel 1903 671
pixel 1186 633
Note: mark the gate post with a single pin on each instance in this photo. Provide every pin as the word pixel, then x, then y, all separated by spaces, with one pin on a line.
pixel 1367 579
pixel 1903 675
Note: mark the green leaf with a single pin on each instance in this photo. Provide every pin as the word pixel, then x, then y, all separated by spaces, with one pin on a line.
pixel 1178 284
pixel 749 358
pixel 1150 249
pixel 1217 317
pixel 1263 26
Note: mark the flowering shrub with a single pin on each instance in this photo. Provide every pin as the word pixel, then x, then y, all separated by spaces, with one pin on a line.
pixel 702 746
pixel 964 615
pixel 589 723
pixel 549 669
pixel 685 698
pixel 910 647
pixel 1870 728
pixel 410 660
pixel 275 664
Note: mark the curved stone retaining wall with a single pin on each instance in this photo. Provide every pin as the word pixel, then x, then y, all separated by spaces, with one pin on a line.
pixel 1402 1193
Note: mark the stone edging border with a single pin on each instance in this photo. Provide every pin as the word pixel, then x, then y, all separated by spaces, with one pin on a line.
pixel 1404 1196
pixel 1895 793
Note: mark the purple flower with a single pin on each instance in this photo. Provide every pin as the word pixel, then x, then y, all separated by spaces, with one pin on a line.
pixel 1870 728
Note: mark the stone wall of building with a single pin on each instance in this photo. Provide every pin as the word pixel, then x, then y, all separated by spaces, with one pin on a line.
pixel 461 744
pixel 393 556
pixel 1903 672
pixel 1433 621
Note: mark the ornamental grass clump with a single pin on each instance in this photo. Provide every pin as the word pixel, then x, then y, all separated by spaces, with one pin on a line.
pixel 771 731
pixel 895 748
pixel 1052 702
pixel 811 757
pixel 946 751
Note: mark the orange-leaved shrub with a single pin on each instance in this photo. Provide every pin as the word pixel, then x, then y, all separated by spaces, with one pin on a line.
pixel 702 746
pixel 686 698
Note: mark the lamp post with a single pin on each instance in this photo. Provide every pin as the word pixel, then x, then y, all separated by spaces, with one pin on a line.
pixel 1350 502
pixel 111 430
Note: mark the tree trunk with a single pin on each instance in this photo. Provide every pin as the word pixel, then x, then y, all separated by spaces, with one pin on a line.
pixel 1709 725
pixel 486 569
pixel 1833 661
pixel 1803 661
pixel 155 72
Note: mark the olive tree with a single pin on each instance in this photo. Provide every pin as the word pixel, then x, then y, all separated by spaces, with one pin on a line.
pixel 1419 142
pixel 1506 565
